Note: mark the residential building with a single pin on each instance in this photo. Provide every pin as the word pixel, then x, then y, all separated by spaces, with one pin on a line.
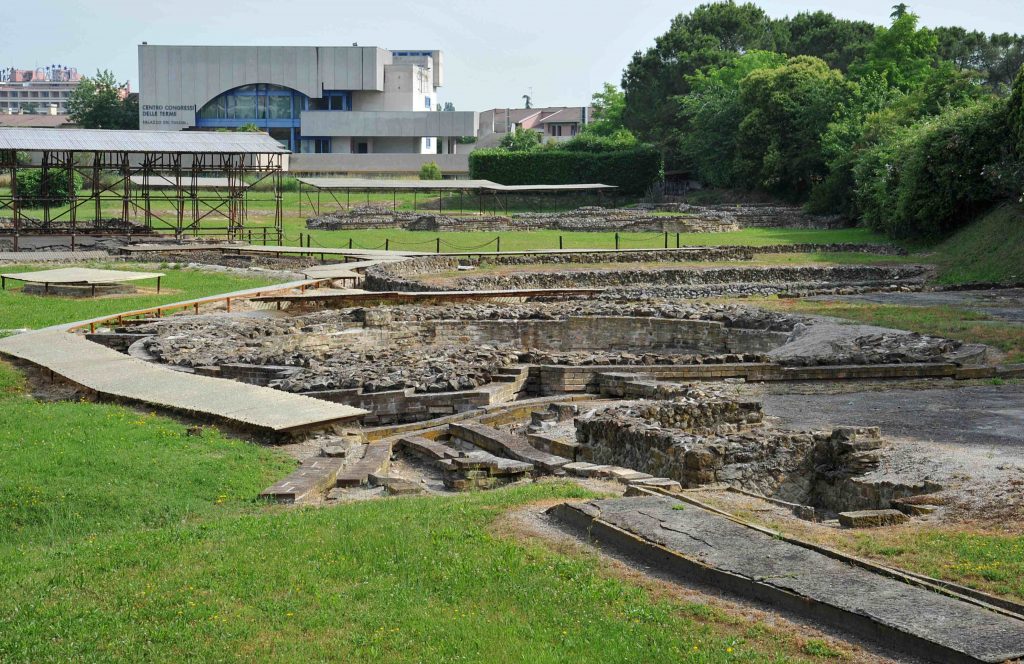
pixel 553 123
pixel 44 90
pixel 334 106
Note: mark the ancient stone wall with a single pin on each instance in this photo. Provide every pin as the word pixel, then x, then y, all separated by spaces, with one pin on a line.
pixel 784 277
pixel 607 332
pixel 757 216
pixel 595 219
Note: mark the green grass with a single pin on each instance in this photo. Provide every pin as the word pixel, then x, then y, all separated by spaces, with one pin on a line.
pixel 18 310
pixel 123 539
pixel 985 561
pixel 989 250
pixel 944 321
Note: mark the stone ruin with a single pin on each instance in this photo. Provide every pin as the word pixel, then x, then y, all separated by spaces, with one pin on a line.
pixel 701 438
pixel 589 218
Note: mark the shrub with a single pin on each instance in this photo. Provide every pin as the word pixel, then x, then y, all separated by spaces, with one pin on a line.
pixel 430 171
pixel 935 176
pixel 31 189
pixel 633 171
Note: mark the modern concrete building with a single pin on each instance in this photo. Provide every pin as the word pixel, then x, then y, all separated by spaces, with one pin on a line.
pixel 330 105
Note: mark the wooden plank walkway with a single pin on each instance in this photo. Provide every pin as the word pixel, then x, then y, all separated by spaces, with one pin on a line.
pixel 113 374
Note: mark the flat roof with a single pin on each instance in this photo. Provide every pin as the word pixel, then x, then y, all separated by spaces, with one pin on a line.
pixel 434 185
pixel 127 140
pixel 157 181
pixel 80 275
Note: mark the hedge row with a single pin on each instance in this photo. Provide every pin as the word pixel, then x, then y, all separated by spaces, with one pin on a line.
pixel 929 179
pixel 633 170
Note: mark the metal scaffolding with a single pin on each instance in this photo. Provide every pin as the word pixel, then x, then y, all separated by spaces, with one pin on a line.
pixel 180 183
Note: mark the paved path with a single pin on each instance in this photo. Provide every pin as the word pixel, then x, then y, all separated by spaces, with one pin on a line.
pixel 702 545
pixel 51 256
pixel 114 374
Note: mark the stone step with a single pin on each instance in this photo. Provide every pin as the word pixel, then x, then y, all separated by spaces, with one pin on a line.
pixel 552 445
pixel 900 612
pixel 313 477
pixel 502 443
pixel 375 460
pixel 395 486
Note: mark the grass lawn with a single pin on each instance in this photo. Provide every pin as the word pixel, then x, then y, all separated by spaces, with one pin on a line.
pixel 991 249
pixel 124 539
pixel 944 321
pixel 18 310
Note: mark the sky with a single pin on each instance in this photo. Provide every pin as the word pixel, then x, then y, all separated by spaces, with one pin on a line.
pixel 559 52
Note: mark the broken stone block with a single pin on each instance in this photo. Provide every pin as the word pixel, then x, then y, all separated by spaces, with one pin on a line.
pixel 333 451
pixel 872 518
pixel 912 509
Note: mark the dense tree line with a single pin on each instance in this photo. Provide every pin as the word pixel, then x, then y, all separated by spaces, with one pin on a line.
pixel 900 126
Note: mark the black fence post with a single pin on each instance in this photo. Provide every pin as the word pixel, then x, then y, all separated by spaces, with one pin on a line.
pixel 616 241
pixel 301 243
pixel 439 244
pixel 499 244
pixel 666 239
pixel 350 243
pixel 559 241
pixel 387 244
pixel 677 240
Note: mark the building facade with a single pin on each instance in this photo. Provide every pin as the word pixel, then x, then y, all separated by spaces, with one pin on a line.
pixel 553 123
pixel 316 100
pixel 44 90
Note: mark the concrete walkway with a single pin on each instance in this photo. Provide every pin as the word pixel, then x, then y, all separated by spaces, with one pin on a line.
pixel 700 545
pixel 113 374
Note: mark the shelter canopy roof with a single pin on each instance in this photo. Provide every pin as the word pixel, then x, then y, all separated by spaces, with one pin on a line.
pixel 80 275
pixel 131 141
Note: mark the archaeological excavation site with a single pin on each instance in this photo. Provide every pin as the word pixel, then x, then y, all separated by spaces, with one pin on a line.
pixel 727 441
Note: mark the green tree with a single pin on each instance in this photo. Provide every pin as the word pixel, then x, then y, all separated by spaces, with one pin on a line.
pixel 249 126
pixel 901 53
pixel 520 140
pixel 838 42
pixel 430 171
pixel 609 104
pixel 786 110
pixel 711 114
pixel 710 36
pixel 99 102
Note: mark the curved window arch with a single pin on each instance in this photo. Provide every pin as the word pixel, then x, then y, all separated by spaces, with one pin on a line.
pixel 264 104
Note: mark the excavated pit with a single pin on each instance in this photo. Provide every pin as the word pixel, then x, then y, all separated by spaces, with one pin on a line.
pixel 700 438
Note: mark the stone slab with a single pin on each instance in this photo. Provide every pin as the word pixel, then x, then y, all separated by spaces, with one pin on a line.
pixel 871 518
pixel 709 548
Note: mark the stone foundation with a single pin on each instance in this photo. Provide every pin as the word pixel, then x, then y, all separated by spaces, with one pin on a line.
pixel 595 219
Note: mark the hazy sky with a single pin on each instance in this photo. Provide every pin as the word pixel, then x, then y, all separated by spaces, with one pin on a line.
pixel 495 51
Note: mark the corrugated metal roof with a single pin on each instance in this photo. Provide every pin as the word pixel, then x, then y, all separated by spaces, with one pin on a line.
pixel 435 185
pixel 163 182
pixel 124 140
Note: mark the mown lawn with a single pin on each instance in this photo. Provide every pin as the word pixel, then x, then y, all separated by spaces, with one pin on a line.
pixel 944 321
pixel 124 539
pixel 18 310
